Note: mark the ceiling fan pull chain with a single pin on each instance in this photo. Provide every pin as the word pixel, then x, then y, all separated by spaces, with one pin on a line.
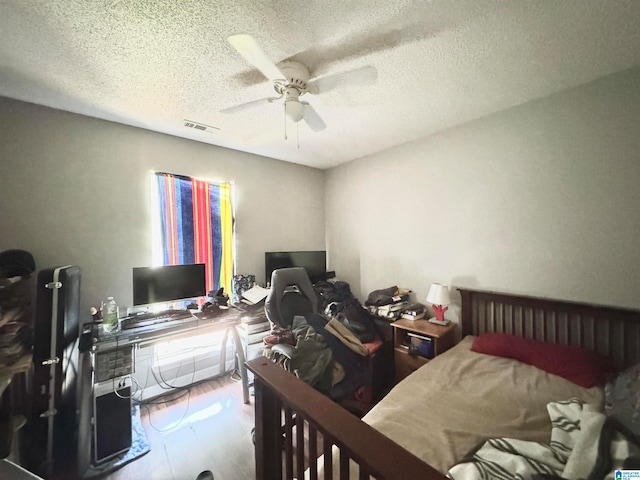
pixel 298 134
pixel 285 121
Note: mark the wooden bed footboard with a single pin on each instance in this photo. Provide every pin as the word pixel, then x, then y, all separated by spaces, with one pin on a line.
pixel 295 424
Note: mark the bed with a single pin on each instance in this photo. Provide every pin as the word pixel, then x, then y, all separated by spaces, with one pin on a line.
pixel 434 417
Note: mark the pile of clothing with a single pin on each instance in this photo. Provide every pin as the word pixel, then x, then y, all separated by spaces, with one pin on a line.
pixel 389 302
pixel 16 336
pixel 327 350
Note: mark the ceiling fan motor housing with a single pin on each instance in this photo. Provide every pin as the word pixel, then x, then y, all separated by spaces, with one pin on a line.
pixel 294 84
pixel 295 74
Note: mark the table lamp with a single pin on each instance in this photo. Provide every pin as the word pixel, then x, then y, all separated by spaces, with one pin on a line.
pixel 438 296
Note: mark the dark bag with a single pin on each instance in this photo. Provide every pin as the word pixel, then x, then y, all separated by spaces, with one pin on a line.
pixel 356 318
pixel 333 291
pixel 16 263
pixel 384 296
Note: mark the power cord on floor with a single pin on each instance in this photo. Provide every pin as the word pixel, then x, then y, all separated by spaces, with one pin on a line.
pixel 185 390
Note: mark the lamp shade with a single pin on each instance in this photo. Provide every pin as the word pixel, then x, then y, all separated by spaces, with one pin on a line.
pixel 294 109
pixel 438 294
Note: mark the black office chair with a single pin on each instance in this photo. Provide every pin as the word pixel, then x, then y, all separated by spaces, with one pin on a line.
pixel 291 294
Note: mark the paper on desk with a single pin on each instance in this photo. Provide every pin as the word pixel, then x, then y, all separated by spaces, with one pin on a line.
pixel 255 294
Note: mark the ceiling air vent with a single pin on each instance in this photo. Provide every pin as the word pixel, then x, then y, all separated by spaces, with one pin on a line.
pixel 199 126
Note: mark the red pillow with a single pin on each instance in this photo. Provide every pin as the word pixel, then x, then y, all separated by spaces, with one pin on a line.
pixel 578 365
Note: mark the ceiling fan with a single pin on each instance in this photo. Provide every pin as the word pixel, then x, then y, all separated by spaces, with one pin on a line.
pixel 292 79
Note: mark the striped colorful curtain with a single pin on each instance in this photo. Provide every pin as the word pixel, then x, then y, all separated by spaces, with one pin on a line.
pixel 197 226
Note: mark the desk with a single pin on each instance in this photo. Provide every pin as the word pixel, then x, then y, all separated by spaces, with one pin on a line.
pixel 147 335
pixel 143 336
pixel 126 340
pixel 114 347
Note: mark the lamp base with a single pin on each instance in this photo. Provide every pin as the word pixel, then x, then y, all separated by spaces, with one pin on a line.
pixel 439 322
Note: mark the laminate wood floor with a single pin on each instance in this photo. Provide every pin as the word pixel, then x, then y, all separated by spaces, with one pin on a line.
pixel 206 429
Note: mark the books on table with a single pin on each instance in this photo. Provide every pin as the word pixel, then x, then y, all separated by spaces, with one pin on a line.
pixel 415 311
pixel 255 294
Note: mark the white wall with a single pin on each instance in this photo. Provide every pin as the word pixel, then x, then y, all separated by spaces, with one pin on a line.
pixel 76 190
pixel 542 199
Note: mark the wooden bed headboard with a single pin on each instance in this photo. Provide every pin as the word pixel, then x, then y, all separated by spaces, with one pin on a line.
pixel 614 332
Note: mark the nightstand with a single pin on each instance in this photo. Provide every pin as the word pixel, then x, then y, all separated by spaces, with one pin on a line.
pixel 441 337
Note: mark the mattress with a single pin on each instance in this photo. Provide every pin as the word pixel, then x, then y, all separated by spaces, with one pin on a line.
pixel 461 398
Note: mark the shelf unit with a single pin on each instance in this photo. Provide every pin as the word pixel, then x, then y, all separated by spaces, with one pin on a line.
pixel 251 336
pixel 15 306
pixel 15 359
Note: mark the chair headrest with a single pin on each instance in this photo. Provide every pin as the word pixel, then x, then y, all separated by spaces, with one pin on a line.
pixel 284 279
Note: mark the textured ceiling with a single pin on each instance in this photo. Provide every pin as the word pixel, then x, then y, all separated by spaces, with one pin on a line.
pixel 439 63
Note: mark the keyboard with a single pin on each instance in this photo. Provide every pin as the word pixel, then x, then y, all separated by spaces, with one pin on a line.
pixel 153 318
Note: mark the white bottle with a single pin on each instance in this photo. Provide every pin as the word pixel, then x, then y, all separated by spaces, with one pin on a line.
pixel 110 323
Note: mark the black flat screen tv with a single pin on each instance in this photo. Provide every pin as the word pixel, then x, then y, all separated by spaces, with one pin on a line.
pixel 168 283
pixel 314 262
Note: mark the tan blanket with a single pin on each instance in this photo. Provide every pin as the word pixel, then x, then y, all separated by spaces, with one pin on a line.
pixel 346 336
pixel 462 398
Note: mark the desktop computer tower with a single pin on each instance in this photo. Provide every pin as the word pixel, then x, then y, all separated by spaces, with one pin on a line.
pixel 111 420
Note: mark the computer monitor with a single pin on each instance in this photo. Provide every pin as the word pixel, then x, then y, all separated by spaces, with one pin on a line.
pixel 168 283
pixel 314 262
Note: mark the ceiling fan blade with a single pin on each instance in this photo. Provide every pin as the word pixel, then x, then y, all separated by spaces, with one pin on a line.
pixel 391 34
pixel 249 49
pixel 246 106
pixel 312 118
pixel 357 77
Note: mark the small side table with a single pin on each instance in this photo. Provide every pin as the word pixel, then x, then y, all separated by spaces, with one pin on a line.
pixel 408 331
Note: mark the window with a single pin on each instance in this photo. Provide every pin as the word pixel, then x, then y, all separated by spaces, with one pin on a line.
pixel 196 226
pixel 187 349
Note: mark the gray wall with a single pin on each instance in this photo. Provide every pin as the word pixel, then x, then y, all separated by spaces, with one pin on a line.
pixel 76 190
pixel 541 199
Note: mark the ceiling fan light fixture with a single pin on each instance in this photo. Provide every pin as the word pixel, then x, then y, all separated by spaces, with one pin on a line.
pixel 294 110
